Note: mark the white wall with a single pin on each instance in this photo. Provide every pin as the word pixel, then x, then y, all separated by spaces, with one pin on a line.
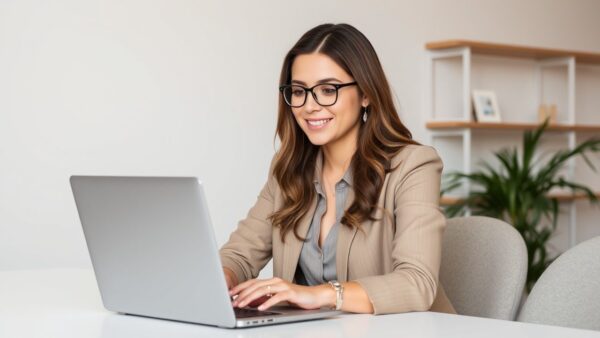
pixel 189 88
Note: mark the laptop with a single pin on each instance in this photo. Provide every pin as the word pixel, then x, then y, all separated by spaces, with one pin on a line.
pixel 154 252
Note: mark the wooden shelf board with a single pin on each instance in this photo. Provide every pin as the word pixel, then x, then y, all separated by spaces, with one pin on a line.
pixel 479 47
pixel 566 197
pixel 561 197
pixel 509 126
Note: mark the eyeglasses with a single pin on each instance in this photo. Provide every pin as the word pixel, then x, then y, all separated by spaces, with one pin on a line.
pixel 325 94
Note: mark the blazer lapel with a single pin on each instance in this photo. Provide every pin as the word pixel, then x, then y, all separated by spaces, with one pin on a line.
pixel 293 246
pixel 345 238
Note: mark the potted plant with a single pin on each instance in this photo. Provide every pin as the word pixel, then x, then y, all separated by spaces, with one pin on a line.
pixel 518 193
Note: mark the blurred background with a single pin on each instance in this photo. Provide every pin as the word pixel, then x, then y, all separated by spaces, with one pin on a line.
pixel 176 88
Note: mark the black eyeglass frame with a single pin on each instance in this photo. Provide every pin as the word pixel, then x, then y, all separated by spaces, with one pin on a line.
pixel 337 87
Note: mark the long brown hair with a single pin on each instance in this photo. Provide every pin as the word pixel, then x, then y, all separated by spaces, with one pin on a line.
pixel 381 137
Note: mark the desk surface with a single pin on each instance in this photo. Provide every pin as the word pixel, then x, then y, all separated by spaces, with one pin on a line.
pixel 66 303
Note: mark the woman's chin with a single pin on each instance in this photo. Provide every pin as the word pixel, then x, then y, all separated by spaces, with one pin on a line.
pixel 318 140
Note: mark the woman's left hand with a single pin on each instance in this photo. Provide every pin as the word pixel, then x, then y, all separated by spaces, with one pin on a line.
pixel 275 290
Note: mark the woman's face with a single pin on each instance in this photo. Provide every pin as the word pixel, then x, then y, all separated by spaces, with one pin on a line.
pixel 326 125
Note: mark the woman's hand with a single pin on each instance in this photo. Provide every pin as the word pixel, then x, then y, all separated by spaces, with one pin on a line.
pixel 268 292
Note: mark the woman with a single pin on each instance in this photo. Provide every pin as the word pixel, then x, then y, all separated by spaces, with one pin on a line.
pixel 350 211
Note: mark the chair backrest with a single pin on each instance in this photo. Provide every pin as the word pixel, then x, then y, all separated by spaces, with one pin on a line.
pixel 568 292
pixel 484 267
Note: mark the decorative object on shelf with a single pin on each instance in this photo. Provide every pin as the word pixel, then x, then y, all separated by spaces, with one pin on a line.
pixel 486 106
pixel 518 193
pixel 548 112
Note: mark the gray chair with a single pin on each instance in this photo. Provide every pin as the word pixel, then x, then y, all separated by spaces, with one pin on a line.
pixel 484 267
pixel 568 292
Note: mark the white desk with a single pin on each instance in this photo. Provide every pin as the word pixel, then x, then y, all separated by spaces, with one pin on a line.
pixel 66 303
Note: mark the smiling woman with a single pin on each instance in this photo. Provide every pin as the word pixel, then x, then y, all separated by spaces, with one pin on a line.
pixel 350 211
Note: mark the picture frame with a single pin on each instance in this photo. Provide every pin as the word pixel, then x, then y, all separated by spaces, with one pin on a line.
pixel 485 106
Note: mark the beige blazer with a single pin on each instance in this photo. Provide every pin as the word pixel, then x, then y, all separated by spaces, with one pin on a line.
pixel 396 259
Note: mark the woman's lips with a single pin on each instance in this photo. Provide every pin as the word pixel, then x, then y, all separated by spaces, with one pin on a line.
pixel 318 124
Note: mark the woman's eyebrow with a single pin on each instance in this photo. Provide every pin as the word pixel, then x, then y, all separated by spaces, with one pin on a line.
pixel 326 80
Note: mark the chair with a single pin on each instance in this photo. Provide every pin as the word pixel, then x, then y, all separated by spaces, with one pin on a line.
pixel 484 267
pixel 568 292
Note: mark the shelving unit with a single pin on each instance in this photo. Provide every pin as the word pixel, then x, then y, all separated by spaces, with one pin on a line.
pixel 467 130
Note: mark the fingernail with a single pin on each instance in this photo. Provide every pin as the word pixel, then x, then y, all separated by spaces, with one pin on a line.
pixel 262 307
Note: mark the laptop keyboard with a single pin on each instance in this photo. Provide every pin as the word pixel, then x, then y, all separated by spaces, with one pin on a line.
pixel 248 313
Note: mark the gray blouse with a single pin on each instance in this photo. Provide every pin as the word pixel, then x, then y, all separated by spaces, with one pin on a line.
pixel 316 265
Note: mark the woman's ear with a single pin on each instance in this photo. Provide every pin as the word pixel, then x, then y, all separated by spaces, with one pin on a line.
pixel 365 101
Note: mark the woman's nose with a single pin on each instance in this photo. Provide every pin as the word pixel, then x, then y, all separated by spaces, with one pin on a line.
pixel 311 104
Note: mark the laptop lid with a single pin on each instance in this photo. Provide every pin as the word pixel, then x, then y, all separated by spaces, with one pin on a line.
pixel 152 247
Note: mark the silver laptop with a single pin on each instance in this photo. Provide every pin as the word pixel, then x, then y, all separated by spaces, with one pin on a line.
pixel 154 252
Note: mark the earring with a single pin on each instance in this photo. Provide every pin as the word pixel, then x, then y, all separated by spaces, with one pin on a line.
pixel 364 117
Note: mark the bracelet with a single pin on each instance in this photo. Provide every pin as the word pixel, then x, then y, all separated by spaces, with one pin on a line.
pixel 339 294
